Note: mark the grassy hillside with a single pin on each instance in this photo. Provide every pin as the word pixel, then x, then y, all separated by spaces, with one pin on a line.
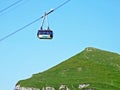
pixel 98 68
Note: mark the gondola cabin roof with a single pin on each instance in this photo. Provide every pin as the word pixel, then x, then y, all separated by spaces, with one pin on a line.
pixel 45 34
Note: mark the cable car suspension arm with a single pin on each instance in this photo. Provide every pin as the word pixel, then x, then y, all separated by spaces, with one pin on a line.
pixel 52 10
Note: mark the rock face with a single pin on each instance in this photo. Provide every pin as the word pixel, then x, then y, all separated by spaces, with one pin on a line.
pixel 17 87
pixel 48 88
pixel 62 87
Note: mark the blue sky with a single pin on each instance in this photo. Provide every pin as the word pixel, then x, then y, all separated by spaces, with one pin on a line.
pixel 77 25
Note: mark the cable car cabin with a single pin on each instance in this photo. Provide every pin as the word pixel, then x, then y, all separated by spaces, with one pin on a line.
pixel 45 34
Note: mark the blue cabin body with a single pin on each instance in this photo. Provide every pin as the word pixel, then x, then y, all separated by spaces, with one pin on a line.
pixel 45 34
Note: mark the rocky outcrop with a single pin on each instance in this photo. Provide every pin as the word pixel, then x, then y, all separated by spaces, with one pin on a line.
pixel 62 87
pixel 48 88
pixel 18 87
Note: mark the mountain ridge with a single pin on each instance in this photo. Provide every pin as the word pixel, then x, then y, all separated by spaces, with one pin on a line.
pixel 99 69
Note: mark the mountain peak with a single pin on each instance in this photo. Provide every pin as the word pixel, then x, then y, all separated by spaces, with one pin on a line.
pixel 93 68
pixel 90 49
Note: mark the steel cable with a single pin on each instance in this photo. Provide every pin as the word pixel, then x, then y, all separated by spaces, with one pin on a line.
pixel 4 9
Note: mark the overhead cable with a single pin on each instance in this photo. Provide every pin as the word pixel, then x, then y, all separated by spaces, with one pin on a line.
pixel 6 8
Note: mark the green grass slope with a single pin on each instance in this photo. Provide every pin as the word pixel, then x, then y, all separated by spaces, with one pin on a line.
pixel 98 68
